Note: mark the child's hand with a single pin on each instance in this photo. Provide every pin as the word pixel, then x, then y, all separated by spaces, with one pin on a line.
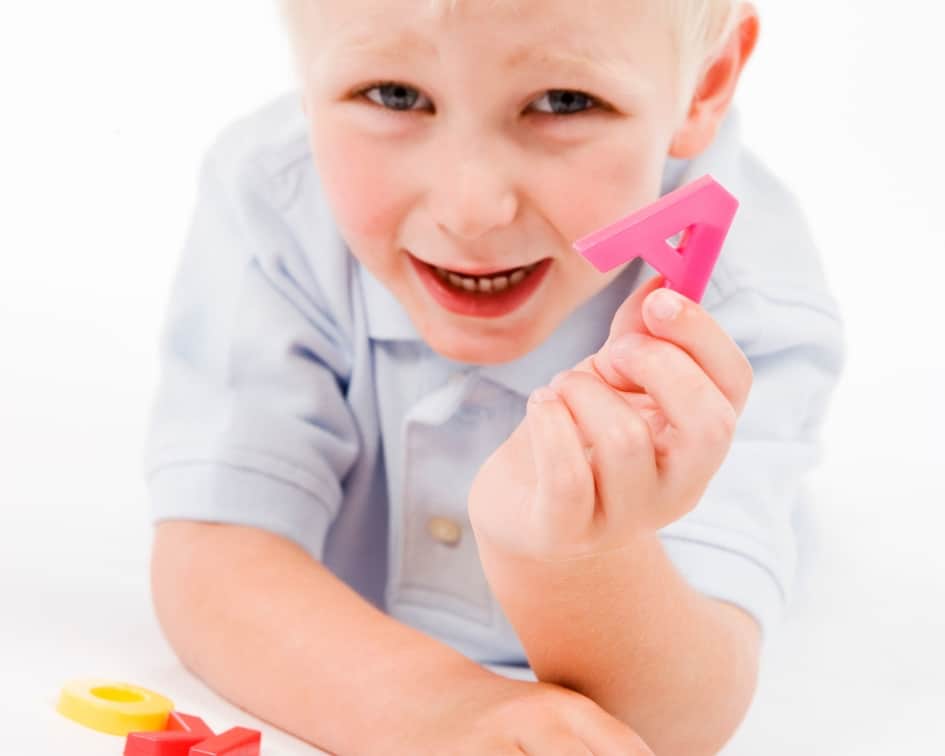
pixel 514 717
pixel 622 445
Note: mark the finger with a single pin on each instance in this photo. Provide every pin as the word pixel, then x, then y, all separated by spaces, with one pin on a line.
pixel 565 485
pixel 622 447
pixel 603 733
pixel 627 319
pixel 552 740
pixel 676 318
pixel 702 417
pixel 629 316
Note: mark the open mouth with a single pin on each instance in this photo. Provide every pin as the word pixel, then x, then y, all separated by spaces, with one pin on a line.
pixel 496 282
pixel 487 296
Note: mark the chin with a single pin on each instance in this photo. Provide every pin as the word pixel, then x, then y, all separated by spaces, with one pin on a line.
pixel 485 350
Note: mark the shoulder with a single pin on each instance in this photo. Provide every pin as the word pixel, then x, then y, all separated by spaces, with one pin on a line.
pixel 260 167
pixel 770 250
pixel 769 289
pixel 262 151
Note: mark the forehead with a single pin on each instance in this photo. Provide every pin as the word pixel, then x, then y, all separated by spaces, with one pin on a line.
pixel 607 33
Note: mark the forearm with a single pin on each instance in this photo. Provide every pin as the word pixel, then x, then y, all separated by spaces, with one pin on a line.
pixel 274 631
pixel 627 631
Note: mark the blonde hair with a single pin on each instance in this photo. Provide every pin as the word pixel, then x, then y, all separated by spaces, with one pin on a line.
pixel 700 28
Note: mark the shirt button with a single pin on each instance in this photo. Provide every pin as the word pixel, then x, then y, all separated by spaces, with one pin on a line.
pixel 445 530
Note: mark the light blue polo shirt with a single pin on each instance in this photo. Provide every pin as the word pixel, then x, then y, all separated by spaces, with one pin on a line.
pixel 296 395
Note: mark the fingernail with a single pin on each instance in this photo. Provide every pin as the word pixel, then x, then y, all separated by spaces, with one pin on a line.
pixel 542 394
pixel 664 304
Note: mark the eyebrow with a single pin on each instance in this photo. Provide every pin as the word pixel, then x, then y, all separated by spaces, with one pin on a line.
pixel 395 48
pixel 565 60
pixel 409 43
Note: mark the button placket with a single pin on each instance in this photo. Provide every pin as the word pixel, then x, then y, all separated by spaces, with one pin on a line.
pixel 445 530
pixel 439 563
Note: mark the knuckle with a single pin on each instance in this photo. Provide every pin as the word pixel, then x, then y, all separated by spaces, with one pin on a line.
pixel 635 349
pixel 718 428
pixel 749 382
pixel 728 420
pixel 514 710
pixel 647 351
pixel 627 436
pixel 749 372
pixel 621 735
pixel 637 433
pixel 569 381
pixel 566 743
pixel 559 699
pixel 746 377
pixel 570 479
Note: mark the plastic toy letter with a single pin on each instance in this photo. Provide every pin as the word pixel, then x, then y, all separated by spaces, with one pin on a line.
pixel 183 731
pixel 187 735
pixel 237 741
pixel 702 210
pixel 148 719
pixel 114 707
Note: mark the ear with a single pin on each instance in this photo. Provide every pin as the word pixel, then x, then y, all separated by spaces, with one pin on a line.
pixel 716 87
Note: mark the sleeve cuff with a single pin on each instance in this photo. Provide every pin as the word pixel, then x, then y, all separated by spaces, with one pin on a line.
pixel 223 493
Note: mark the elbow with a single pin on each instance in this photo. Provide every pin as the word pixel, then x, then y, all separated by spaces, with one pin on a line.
pixel 716 706
pixel 711 729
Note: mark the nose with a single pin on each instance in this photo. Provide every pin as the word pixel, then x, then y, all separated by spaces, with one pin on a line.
pixel 472 194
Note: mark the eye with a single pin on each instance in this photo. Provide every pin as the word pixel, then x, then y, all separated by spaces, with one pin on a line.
pixel 566 102
pixel 392 95
pixel 400 97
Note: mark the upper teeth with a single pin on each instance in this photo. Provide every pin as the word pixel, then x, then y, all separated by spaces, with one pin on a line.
pixel 485 283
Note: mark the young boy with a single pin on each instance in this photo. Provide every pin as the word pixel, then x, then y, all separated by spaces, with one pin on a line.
pixel 361 515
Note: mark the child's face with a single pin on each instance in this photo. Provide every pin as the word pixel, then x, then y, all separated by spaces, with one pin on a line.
pixel 486 153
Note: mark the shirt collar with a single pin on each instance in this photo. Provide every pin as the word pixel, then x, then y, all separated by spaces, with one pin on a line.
pixel 387 320
pixel 586 329
pixel 581 334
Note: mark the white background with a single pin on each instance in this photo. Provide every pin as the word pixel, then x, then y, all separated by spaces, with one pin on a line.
pixel 108 107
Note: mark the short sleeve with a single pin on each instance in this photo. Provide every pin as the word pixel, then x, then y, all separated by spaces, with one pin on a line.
pixel 249 424
pixel 739 544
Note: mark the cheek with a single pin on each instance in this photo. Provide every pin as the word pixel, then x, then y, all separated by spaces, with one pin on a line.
pixel 611 184
pixel 362 190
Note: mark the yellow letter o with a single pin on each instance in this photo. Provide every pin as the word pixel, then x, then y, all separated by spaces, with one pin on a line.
pixel 114 707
